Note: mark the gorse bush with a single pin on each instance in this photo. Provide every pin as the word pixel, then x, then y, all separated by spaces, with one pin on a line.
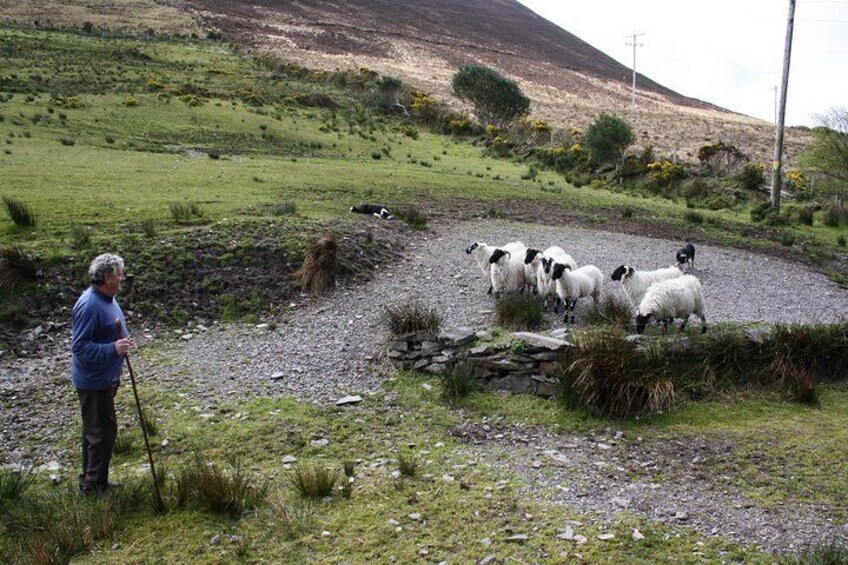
pixel 318 270
pixel 607 138
pixel 313 481
pixel 20 213
pixel 411 317
pixel 459 382
pixel 519 311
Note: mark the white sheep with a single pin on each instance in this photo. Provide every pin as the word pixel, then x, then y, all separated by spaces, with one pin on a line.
pixel 541 263
pixel 507 263
pixel 636 283
pixel 573 284
pixel 481 253
pixel 673 298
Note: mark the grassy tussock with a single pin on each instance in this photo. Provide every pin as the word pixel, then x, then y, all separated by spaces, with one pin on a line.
pixel 230 492
pixel 13 485
pixel 318 271
pixel 19 212
pixel 16 266
pixel 612 377
pixel 413 217
pixel 313 481
pixel 185 212
pixel 295 517
pixel 614 311
pixel 519 311
pixel 829 553
pixel 411 317
pixel 407 466
pixel 459 382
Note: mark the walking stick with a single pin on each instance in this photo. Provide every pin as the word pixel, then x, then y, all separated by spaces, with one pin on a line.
pixel 160 506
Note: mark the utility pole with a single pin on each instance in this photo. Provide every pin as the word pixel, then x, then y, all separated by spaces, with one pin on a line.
pixel 784 86
pixel 634 44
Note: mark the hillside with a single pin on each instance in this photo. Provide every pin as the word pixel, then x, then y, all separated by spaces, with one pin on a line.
pixel 569 81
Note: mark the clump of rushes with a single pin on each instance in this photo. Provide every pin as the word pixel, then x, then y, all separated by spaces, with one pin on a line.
pixel 16 266
pixel 19 212
pixel 318 271
pixel 459 382
pixel 411 317
pixel 519 311
pixel 313 481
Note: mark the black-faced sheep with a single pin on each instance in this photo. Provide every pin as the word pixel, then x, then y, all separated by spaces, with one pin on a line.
pixel 573 284
pixel 508 273
pixel 673 298
pixel 542 263
pixel 481 253
pixel 636 282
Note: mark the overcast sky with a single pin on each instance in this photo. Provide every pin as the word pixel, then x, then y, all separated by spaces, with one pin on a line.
pixel 727 52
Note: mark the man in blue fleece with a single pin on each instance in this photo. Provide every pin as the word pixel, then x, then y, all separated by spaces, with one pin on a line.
pixel 98 351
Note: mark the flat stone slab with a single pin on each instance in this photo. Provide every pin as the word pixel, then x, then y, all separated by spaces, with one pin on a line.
pixel 458 336
pixel 353 399
pixel 537 340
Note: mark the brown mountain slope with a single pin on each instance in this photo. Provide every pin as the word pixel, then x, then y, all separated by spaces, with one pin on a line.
pixel 569 82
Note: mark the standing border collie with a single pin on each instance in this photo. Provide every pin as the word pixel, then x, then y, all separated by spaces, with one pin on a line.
pixel 373 209
pixel 686 255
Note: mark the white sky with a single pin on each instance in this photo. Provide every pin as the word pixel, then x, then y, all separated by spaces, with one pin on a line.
pixel 727 52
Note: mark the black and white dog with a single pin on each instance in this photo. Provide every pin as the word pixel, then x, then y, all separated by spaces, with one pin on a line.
pixel 374 209
pixel 686 255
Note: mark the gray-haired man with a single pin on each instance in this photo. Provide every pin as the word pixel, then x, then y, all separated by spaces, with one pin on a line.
pixel 97 359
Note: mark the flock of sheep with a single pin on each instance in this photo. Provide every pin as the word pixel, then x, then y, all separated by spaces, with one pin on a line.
pixel 661 295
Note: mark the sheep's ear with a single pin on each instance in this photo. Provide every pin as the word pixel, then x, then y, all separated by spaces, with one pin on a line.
pixel 557 271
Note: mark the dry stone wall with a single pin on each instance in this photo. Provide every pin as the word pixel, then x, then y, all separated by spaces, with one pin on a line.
pixel 526 364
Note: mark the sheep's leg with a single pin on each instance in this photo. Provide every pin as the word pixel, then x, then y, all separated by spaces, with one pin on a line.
pixel 703 324
pixel 683 325
pixel 573 305
pixel 490 289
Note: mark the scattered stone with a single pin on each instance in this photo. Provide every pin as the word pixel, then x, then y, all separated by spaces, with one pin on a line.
pixel 681 516
pixel 517 538
pixel 289 459
pixel 605 537
pixel 116 546
pixel 580 540
pixel 488 560
pixel 187 337
pixel 236 539
pixel 621 502
pixel 415 516
pixel 278 375
pixel 321 442
pixel 637 535
pixel 215 540
pixel 353 399
pixel 567 534
pixel 392 522
pixel 55 479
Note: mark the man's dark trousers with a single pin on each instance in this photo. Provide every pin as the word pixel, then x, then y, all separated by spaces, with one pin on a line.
pixel 99 430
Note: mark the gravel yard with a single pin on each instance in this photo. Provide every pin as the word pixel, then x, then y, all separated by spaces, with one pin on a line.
pixel 324 350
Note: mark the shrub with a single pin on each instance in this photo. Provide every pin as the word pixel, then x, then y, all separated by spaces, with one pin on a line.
pixel 19 212
pixel 318 270
pixel 411 317
pixel 313 481
pixel 67 141
pixel 413 217
pixel 184 212
pixel 16 266
pixel 787 239
pixel 607 138
pixel 285 208
pixel 627 212
pixel 752 176
pixel 459 382
pixel 519 311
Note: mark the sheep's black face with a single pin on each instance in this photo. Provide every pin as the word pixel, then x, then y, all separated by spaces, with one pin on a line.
pixel 642 322
pixel 471 248
pixel 547 263
pixel 530 255
pixel 619 272
pixel 558 270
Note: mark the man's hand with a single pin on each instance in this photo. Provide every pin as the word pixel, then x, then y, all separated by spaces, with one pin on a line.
pixel 122 346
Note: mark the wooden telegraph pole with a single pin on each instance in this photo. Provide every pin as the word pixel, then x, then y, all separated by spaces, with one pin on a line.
pixel 778 142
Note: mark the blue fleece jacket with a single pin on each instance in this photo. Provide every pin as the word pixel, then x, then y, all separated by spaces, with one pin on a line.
pixel 94 362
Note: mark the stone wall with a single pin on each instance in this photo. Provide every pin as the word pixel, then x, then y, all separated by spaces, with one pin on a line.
pixel 526 364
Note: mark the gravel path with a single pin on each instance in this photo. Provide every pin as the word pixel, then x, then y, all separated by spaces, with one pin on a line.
pixel 323 351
